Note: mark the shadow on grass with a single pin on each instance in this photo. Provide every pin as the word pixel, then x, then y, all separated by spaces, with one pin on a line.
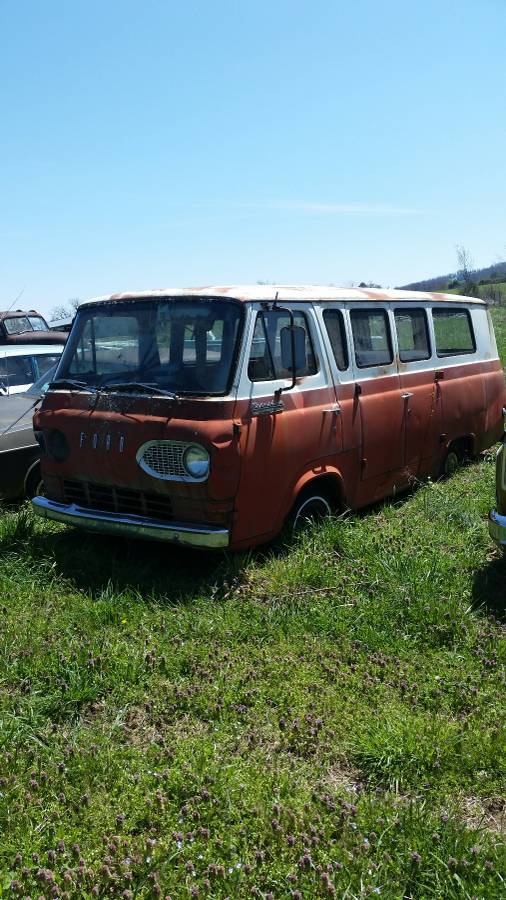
pixel 93 562
pixel 489 588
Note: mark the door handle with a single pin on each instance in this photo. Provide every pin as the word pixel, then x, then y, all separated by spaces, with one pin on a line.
pixel 336 410
pixel 407 395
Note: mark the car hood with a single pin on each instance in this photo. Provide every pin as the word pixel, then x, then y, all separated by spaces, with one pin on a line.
pixel 16 407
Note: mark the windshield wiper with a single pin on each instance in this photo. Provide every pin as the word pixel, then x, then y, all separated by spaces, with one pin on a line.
pixel 141 386
pixel 73 385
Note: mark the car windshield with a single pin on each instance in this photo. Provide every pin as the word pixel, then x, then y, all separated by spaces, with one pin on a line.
pixel 40 386
pixel 185 346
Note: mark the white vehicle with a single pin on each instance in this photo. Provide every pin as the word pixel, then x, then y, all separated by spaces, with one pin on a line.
pixel 21 365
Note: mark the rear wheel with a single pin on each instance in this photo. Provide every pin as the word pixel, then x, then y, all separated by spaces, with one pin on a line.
pixel 452 461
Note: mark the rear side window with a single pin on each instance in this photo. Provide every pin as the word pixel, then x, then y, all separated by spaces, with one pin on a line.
pixel 454 332
pixel 265 357
pixel 371 337
pixel 334 323
pixel 16 370
pixel 412 334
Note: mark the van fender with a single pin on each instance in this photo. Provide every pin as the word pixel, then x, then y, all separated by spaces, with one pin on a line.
pixel 329 473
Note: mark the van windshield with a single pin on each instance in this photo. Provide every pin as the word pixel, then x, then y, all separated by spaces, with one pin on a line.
pixel 186 346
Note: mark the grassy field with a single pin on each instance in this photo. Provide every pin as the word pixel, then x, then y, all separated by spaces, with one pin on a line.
pixel 495 291
pixel 326 721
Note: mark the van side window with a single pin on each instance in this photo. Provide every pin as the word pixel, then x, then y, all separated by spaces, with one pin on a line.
pixel 454 332
pixel 334 323
pixel 412 334
pixel 265 357
pixel 371 336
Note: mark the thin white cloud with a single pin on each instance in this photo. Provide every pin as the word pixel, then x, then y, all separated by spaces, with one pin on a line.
pixel 360 209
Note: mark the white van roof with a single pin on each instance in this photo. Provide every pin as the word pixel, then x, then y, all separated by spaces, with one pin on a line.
pixel 283 292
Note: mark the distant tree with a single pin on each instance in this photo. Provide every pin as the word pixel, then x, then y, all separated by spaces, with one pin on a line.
pixel 370 284
pixel 466 273
pixel 64 310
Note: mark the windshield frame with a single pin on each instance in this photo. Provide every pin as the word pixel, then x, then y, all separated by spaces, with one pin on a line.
pixel 125 305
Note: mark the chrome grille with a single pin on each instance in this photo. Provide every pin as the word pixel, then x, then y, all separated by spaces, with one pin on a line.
pixel 107 498
pixel 163 458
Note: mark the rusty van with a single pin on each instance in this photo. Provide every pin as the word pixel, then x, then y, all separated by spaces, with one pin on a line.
pixel 212 416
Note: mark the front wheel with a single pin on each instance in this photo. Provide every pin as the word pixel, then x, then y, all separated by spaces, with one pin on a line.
pixel 310 507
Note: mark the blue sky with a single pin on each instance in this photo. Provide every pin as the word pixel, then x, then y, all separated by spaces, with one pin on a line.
pixel 152 144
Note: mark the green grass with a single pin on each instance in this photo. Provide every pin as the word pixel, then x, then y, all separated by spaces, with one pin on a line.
pixel 495 291
pixel 321 721
pixel 499 318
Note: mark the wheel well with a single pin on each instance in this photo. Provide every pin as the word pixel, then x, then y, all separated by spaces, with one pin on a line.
pixel 463 446
pixel 328 486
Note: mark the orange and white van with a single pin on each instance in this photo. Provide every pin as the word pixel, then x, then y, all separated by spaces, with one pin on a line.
pixel 211 416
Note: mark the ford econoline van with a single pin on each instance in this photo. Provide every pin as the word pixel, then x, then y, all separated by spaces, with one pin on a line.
pixel 212 416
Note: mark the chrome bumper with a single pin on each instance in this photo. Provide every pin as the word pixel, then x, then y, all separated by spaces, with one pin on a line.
pixel 497 527
pixel 190 535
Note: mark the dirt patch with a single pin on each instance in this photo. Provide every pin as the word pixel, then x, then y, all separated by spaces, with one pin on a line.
pixel 143 727
pixel 343 779
pixel 486 812
pixel 93 712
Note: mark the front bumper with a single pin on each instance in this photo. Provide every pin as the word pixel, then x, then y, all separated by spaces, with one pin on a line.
pixel 190 535
pixel 497 527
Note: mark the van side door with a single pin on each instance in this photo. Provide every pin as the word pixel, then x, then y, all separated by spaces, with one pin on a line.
pixel 335 328
pixel 419 391
pixel 378 395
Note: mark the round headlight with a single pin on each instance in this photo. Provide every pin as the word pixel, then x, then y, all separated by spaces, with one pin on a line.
pixel 57 446
pixel 196 461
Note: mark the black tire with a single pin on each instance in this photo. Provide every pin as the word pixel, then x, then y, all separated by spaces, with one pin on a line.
pixel 34 485
pixel 452 462
pixel 312 505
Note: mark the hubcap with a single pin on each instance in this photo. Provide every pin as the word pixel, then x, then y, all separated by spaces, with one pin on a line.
pixel 312 510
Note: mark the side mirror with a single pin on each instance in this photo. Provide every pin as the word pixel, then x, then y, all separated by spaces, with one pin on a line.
pixel 293 348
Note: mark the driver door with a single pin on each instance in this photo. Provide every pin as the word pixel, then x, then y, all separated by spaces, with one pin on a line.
pixel 282 434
